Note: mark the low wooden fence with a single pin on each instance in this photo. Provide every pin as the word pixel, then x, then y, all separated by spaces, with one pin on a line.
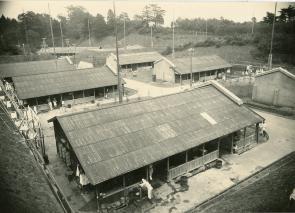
pixel 193 164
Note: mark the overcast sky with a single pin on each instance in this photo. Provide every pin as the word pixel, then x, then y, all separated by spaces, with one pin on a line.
pixel 234 10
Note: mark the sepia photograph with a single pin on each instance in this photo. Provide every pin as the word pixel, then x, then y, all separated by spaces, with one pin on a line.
pixel 147 106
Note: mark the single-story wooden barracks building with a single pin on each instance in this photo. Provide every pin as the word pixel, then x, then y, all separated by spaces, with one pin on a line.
pixel 178 70
pixel 174 134
pixel 132 61
pixel 275 87
pixel 7 71
pixel 66 87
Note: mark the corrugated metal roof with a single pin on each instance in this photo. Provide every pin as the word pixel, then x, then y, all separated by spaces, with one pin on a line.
pixel 31 86
pixel 112 141
pixel 279 69
pixel 34 67
pixel 200 64
pixel 136 58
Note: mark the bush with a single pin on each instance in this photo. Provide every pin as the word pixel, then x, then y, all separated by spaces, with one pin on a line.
pixel 167 51
pixel 184 46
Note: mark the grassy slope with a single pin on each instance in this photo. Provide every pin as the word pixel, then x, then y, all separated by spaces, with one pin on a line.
pixel 161 42
pixel 233 54
pixel 22 185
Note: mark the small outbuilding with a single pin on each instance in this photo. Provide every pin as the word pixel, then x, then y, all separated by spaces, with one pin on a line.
pixel 133 61
pixel 178 70
pixel 275 87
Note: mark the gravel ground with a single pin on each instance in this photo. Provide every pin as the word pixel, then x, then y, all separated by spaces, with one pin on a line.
pixel 270 193
pixel 22 185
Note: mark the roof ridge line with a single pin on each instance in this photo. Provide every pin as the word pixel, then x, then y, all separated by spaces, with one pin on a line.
pixel 214 83
pixel 137 101
pixel 277 69
pixel 64 71
pixel 226 92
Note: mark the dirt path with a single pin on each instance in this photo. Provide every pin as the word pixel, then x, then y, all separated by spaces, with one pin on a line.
pixel 273 186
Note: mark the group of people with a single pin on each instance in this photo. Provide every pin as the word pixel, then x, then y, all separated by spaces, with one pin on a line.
pixel 52 104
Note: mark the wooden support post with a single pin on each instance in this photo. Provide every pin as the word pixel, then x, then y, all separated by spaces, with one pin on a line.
pixel 186 156
pixel 124 186
pixel 257 132
pixel 199 76
pixel 218 146
pixel 104 92
pixel 97 199
pixel 83 93
pixel 245 135
pixel 113 92
pixel 203 152
pixel 232 143
pixel 180 79
pixel 147 172
pixel 94 93
pixel 61 99
pixel 168 169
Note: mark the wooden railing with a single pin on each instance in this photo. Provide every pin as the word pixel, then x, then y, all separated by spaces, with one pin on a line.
pixel 193 164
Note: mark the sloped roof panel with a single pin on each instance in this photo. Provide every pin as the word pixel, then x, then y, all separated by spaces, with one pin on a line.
pixel 200 64
pixel 34 67
pixel 123 138
pixel 32 86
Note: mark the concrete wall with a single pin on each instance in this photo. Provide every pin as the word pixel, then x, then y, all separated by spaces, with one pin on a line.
pixel 241 87
pixel 274 89
pixel 163 71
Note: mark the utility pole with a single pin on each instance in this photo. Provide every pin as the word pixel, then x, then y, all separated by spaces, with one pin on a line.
pixel 124 34
pixel 61 34
pixel 117 55
pixel 173 50
pixel 192 52
pixel 272 35
pixel 152 43
pixel 27 37
pixel 206 29
pixel 252 31
pixel 253 23
pixel 52 37
pixel 89 35
pixel 24 49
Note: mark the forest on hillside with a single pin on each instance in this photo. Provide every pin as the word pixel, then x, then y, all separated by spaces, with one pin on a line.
pixel 24 34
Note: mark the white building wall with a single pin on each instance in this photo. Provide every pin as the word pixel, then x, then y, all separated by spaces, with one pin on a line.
pixel 111 62
pixel 84 65
pixel 163 71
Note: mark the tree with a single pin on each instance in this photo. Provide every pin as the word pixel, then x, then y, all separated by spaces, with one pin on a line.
pixel 124 16
pixel 151 13
pixel 146 15
pixel 77 25
pixel 157 14
pixel 269 18
pixel 111 18
pixel 99 26
pixel 287 14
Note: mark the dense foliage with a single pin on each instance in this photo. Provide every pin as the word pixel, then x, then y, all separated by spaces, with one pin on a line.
pixel 25 34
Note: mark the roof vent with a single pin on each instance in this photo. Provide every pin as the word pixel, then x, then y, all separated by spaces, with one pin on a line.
pixel 208 118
